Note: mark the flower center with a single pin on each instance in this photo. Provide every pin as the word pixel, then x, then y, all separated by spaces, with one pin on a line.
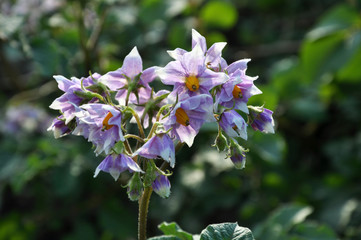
pixel 106 125
pixel 192 83
pixel 235 128
pixel 237 92
pixel 182 117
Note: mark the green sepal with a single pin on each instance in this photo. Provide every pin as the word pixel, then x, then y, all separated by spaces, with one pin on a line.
pixel 150 174
pixel 86 95
pixel 127 114
pixel 119 147
pixel 221 142
pixel 135 187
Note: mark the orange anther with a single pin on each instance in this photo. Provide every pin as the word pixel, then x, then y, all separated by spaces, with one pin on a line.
pixel 106 125
pixel 192 83
pixel 182 117
pixel 237 92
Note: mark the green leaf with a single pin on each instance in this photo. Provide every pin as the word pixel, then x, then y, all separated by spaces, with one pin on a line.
pixel 313 231
pixel 351 72
pixel 226 231
pixel 174 230
pixel 279 223
pixel 336 19
pixel 332 44
pixel 314 54
pixel 290 215
pixel 219 14
pixel 270 147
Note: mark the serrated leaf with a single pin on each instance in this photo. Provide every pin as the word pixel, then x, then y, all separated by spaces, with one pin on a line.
pixel 226 231
pixel 174 230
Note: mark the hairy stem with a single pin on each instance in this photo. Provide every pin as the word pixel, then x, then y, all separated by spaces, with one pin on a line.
pixel 143 212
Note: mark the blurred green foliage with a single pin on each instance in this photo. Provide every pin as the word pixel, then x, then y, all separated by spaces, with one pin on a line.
pixel 301 183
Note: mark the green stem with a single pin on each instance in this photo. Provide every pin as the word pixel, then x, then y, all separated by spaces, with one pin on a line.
pixel 140 127
pixel 135 137
pixel 143 212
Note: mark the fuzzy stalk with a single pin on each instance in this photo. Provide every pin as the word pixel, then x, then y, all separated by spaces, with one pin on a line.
pixel 143 212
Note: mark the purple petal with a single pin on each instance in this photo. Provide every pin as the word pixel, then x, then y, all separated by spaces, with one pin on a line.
pixel 172 73
pixel 210 79
pixel 116 164
pixel 177 53
pixel 194 62
pixel 198 39
pixel 63 83
pixel 214 54
pixel 149 75
pixel 114 80
pixel 132 64
pixel 161 186
pixel 240 64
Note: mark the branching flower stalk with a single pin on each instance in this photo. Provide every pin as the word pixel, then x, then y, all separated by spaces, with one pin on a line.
pixel 206 89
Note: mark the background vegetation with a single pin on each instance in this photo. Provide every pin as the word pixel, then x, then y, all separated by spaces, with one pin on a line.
pixel 300 183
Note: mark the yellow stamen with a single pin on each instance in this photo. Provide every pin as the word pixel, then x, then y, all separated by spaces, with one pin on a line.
pixel 182 117
pixel 106 125
pixel 192 83
pixel 237 92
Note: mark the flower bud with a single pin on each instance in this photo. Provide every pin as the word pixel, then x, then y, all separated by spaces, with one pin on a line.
pixel 238 155
pixel 135 187
pixel 261 119
pixel 59 128
pixel 161 186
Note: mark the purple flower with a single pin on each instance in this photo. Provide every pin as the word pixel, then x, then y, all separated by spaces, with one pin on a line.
pixel 188 116
pixel 116 164
pixel 190 75
pixel 59 128
pixel 101 124
pixel 161 186
pixel 262 120
pixel 130 77
pixel 160 145
pixel 69 101
pixel 213 57
pixel 233 124
pixel 239 88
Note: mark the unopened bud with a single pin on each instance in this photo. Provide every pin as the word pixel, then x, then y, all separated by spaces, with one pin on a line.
pixel 221 142
pixel 135 187
pixel 238 155
pixel 161 186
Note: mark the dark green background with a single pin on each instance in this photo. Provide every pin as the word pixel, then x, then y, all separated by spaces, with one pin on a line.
pixel 301 183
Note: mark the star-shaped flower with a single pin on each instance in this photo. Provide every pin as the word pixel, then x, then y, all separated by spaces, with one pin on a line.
pixel 101 124
pixel 188 116
pixel 189 75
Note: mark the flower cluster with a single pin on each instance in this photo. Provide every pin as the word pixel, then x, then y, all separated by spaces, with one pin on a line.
pixel 205 89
